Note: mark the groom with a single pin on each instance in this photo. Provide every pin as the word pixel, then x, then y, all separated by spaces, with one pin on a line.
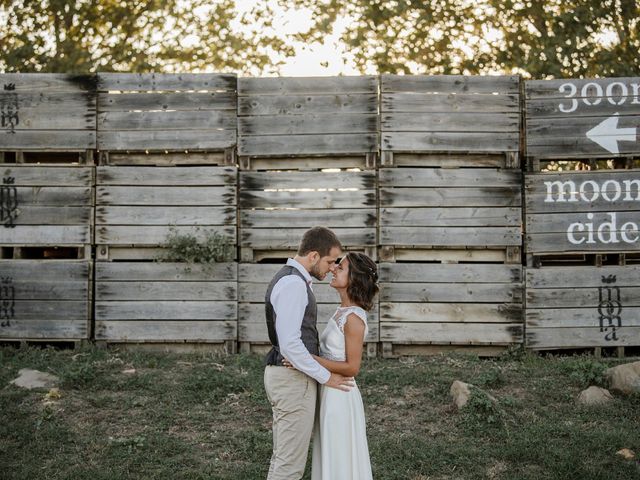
pixel 291 321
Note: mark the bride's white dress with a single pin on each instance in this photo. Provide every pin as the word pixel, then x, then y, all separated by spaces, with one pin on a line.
pixel 340 450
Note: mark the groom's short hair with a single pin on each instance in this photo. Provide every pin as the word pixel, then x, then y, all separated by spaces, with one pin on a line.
pixel 318 239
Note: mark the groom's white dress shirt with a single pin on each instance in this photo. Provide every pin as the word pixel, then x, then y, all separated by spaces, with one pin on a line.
pixel 289 300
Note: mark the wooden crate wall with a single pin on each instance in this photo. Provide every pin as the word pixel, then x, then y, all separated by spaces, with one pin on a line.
pixel 139 206
pixel 576 222
pixel 307 117
pixel 578 119
pixel 166 302
pixel 582 306
pixel 253 280
pixel 47 112
pixel 450 220
pixel 140 116
pixel 439 120
pixel 45 300
pixel 277 207
pixel 46 206
pixel 472 304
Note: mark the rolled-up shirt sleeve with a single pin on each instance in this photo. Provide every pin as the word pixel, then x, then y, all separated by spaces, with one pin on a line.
pixel 289 300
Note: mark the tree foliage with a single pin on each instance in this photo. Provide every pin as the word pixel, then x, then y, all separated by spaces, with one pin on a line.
pixel 133 35
pixel 538 38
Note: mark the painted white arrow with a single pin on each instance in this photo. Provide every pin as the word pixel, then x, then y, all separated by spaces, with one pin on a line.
pixel 607 134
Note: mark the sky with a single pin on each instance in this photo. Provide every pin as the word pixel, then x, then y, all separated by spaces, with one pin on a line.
pixel 326 59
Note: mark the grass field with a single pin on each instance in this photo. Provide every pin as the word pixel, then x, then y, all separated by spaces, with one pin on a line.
pixel 203 416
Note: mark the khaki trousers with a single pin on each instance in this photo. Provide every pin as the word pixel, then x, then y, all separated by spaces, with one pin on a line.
pixel 292 395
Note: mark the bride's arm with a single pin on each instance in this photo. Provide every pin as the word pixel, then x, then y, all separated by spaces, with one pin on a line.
pixel 354 329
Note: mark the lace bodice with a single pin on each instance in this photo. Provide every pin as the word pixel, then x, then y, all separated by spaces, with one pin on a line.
pixel 332 345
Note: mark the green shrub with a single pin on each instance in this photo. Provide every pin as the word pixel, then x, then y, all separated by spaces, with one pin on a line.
pixel 187 248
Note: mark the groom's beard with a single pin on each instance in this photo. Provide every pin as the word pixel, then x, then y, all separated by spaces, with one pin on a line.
pixel 315 273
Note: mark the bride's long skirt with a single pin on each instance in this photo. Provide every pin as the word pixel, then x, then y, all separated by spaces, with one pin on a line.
pixel 340 450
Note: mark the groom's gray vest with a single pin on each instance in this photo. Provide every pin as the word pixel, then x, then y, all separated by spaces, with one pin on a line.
pixel 308 330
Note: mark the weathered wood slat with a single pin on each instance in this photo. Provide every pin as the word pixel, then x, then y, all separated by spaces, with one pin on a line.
pixel 454 236
pixel 62 289
pixel 154 234
pixel 54 196
pixel 49 140
pixel 444 84
pixel 42 175
pixel 559 242
pixel 180 120
pixel 580 276
pixel 461 333
pixel 165 310
pixel 50 118
pixel 448 292
pixel 467 313
pixel 170 196
pixel 45 101
pixel 306 162
pixel 307 104
pixel 450 141
pixel 579 337
pixel 165 291
pixel 438 177
pixel 50 235
pixel 539 109
pixel 451 217
pixel 166 158
pixel 37 215
pixel 290 237
pixel 588 299
pixel 287 86
pixel 166 331
pixel 191 101
pixel 169 176
pixel 308 144
pixel 456 273
pixel 450 197
pixel 307 124
pixel 166 139
pixel 150 215
pixel 164 272
pixel 536 205
pixel 578 317
pixel 166 81
pixel 66 329
pixel 48 82
pixel 343 218
pixel 559 222
pixel 449 160
pixel 450 122
pixel 304 199
pixel 52 310
pixel 450 255
pixel 307 180
pixel 572 147
pixel 551 88
pixel 46 270
pixel 444 103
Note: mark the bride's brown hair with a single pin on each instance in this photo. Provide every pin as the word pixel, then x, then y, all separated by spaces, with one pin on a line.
pixel 363 280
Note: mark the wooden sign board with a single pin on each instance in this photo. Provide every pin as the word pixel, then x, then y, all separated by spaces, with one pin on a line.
pixel 583 212
pixel 582 118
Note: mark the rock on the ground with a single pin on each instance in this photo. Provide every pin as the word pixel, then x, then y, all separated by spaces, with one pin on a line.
pixel 594 396
pixel 34 379
pixel 624 378
pixel 460 393
pixel 626 454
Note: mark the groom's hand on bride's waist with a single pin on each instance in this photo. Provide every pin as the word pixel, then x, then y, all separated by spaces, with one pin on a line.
pixel 340 382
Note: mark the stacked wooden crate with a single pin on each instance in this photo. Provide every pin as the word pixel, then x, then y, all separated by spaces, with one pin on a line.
pixel 307 149
pixel 46 206
pixel 166 143
pixel 582 227
pixel 450 214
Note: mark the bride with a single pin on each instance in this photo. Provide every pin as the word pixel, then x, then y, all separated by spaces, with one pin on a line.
pixel 340 450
